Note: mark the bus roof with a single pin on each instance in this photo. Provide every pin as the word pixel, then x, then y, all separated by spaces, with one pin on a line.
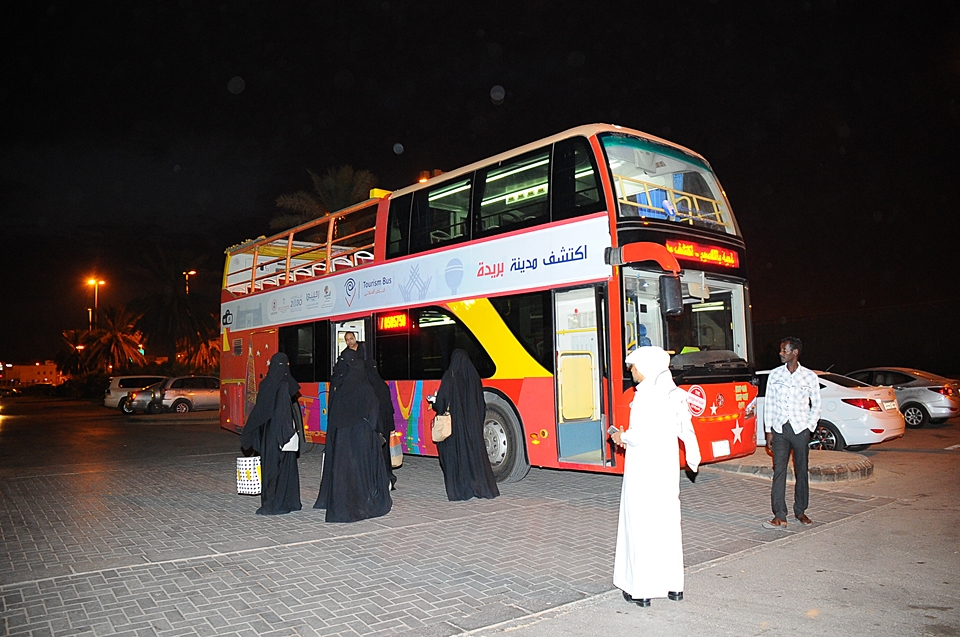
pixel 587 130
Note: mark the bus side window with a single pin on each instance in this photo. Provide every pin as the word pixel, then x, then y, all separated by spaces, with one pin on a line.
pixel 440 215
pixel 398 227
pixel 575 184
pixel 513 195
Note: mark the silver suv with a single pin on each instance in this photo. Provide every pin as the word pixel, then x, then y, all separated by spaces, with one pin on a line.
pixel 190 393
pixel 923 397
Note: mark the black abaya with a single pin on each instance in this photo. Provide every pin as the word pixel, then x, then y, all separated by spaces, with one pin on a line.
pixel 354 485
pixel 463 456
pixel 268 428
pixel 385 423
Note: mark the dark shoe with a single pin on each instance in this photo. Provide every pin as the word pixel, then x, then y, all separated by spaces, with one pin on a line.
pixel 642 603
pixel 803 519
pixel 775 523
pixel 676 597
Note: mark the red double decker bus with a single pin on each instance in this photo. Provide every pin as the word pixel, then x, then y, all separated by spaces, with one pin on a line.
pixel 547 264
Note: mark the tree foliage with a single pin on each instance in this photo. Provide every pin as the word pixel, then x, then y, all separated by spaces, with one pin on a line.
pixel 338 188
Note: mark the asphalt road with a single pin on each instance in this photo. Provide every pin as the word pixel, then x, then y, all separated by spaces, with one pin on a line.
pixel 118 526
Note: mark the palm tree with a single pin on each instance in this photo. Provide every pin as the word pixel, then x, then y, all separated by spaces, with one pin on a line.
pixel 72 357
pixel 116 344
pixel 204 358
pixel 172 321
pixel 337 189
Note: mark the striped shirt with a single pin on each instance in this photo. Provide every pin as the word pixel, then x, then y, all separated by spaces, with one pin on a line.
pixel 793 398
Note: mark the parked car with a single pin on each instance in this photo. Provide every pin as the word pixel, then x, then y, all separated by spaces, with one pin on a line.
pixel 120 386
pixel 9 392
pixel 853 416
pixel 177 393
pixel 148 399
pixel 191 393
pixel 923 397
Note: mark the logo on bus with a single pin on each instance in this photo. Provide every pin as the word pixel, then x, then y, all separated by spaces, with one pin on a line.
pixel 696 400
pixel 350 290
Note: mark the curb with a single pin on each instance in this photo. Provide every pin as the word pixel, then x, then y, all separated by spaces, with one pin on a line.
pixel 824 466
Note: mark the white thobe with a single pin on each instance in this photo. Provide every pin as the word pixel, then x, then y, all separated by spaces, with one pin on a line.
pixel 649 558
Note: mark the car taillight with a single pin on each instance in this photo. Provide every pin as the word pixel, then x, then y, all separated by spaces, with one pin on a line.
pixel 946 391
pixel 133 396
pixel 863 403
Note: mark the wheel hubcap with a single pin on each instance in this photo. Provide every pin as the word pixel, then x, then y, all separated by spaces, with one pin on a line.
pixel 495 439
pixel 825 439
pixel 913 416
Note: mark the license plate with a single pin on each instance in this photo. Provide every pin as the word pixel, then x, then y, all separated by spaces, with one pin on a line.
pixel 889 405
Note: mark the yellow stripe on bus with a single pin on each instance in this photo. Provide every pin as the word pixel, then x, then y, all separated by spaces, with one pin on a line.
pixel 511 359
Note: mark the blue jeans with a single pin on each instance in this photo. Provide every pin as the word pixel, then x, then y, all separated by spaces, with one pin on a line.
pixel 783 444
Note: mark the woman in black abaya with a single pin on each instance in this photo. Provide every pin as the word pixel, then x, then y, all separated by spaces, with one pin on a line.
pixel 271 432
pixel 385 424
pixel 354 485
pixel 463 456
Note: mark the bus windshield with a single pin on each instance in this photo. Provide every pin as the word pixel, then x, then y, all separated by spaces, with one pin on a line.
pixel 656 181
pixel 712 319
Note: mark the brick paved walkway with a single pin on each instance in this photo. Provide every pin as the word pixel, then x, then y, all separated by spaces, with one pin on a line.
pixel 168 548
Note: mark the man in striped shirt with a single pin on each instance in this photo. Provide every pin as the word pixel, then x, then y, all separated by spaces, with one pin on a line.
pixel 790 413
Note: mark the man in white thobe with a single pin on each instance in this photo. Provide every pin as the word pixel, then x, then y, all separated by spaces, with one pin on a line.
pixel 649 558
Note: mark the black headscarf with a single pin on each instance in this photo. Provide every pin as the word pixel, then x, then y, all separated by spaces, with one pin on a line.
pixel 274 397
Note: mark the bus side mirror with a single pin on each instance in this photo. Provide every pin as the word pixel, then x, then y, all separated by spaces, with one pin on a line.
pixel 671 295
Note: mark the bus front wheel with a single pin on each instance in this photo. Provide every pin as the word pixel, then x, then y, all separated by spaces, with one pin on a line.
pixel 503 438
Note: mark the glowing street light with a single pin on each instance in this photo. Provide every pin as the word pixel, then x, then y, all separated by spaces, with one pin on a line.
pixel 186 279
pixel 96 283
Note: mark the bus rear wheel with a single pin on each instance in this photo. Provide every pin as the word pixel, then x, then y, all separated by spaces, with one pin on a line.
pixel 503 438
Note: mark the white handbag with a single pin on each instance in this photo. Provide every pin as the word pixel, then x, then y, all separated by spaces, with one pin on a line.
pixel 248 475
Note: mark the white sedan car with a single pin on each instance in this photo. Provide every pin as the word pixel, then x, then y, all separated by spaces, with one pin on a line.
pixel 854 415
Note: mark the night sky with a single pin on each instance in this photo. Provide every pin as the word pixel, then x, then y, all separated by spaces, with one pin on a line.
pixel 132 127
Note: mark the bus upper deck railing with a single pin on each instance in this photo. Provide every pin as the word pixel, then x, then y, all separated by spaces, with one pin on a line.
pixel 686 207
pixel 343 239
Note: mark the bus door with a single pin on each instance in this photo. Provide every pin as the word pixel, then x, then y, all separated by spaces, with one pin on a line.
pixel 360 329
pixel 579 424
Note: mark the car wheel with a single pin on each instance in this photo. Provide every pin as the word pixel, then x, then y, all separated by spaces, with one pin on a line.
pixel 827 437
pixel 503 438
pixel 154 408
pixel 125 406
pixel 857 447
pixel 180 407
pixel 915 416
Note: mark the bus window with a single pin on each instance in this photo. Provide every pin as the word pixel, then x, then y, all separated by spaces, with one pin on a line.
pixel 656 181
pixel 434 335
pixel 305 346
pixel 440 216
pixel 398 227
pixel 392 334
pixel 575 186
pixel 530 319
pixel 513 195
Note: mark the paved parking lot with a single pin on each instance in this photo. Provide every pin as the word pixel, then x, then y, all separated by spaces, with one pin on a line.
pixel 166 547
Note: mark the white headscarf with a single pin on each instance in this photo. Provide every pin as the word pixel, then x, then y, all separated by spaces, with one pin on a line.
pixel 654 363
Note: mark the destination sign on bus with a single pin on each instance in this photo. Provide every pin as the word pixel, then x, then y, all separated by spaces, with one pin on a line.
pixel 691 251
pixel 393 321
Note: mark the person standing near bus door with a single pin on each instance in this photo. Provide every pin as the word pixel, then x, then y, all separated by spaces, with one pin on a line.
pixel 351 340
pixel 463 456
pixel 790 413
pixel 270 430
pixel 649 557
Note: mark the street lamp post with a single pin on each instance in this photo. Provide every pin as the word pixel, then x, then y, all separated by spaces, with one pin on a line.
pixel 186 279
pixel 96 283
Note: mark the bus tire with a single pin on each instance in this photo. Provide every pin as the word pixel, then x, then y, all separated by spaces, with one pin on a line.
pixel 503 438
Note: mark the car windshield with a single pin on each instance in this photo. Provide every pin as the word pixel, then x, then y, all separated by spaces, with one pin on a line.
pixel 844 381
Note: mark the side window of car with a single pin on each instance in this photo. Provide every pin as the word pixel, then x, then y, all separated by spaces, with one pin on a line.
pixel 177 384
pixel 211 383
pixel 896 378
